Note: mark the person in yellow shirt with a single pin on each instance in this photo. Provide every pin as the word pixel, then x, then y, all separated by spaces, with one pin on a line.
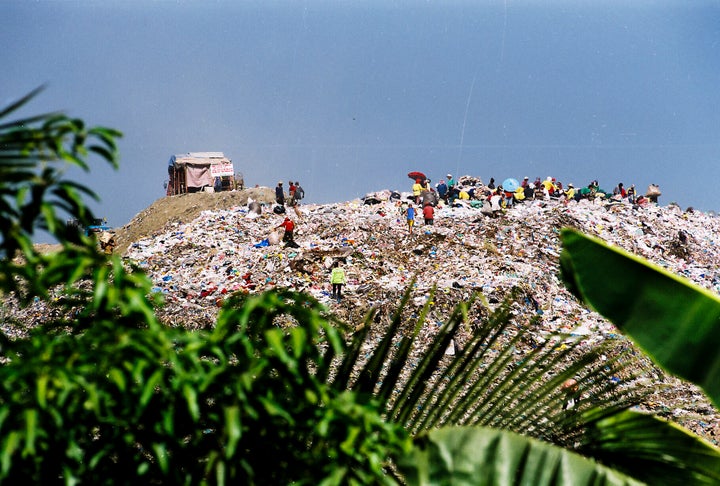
pixel 416 190
pixel 337 279
pixel 549 186
pixel 570 193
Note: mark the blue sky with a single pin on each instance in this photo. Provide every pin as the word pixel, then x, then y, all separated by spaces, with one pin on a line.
pixel 350 96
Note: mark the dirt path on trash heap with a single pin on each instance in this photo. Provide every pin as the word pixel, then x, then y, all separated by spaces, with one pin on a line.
pixel 183 208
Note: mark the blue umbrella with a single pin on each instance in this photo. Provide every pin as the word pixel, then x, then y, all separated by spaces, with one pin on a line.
pixel 510 184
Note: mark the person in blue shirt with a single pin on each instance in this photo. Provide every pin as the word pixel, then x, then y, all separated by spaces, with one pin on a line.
pixel 410 212
pixel 442 190
pixel 280 194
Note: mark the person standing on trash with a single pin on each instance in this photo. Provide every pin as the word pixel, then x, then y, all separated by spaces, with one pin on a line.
pixel 289 227
pixel 548 187
pixel 450 183
pixel 410 215
pixel 337 280
pixel 428 214
pixel 442 190
pixel 508 198
pixel 428 196
pixel 291 193
pixel 299 192
pixel 416 190
pixel 295 194
pixel 280 194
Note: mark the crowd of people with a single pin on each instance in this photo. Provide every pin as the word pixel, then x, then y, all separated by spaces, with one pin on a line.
pixel 468 191
pixel 492 197
pixel 294 195
pixel 452 192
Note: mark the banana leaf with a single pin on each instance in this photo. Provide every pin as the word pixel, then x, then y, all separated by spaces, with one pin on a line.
pixel 676 322
pixel 479 455
pixel 652 449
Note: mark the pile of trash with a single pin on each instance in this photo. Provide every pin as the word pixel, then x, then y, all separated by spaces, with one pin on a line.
pixel 196 264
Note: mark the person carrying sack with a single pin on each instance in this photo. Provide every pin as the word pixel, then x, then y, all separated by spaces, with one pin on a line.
pixel 653 193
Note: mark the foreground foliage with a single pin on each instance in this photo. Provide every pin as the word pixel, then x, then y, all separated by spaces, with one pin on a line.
pixel 112 404
pixel 676 322
pixel 279 391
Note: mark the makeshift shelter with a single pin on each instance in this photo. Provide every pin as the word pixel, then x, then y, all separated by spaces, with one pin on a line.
pixel 198 171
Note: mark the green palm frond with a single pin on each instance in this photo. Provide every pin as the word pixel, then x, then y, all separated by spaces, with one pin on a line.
pixel 502 377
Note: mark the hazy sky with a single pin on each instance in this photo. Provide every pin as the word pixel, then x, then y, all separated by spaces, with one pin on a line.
pixel 349 96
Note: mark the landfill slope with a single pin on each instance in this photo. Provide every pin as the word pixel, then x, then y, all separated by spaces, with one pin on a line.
pixel 197 264
pixel 200 248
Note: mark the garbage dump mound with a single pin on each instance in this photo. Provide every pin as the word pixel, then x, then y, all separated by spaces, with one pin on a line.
pixel 200 248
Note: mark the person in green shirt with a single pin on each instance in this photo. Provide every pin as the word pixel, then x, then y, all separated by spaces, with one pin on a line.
pixel 450 183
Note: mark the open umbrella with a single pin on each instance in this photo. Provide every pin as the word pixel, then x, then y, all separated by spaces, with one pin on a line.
pixel 416 175
pixel 510 184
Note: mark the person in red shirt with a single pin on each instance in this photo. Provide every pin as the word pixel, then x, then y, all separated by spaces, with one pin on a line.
pixel 429 214
pixel 291 191
pixel 289 227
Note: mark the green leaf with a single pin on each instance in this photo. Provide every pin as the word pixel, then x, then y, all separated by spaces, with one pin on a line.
pixel 19 103
pixel 161 454
pixel 118 377
pixel 191 399
pixel 10 444
pixel 478 455
pixel 149 388
pixel 674 321
pixel 653 450
pixel 42 382
pixel 233 427
pixel 273 409
pixel 31 425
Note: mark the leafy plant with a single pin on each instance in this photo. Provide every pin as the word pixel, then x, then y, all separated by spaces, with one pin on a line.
pixel 676 322
pixel 478 455
pixel 167 405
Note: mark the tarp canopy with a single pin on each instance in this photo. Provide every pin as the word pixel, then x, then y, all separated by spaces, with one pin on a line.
pixel 199 158
pixel 200 168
